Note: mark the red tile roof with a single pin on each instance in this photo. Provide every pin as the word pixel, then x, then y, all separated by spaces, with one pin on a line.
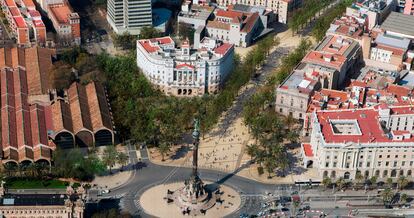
pixel 23 125
pixel 10 3
pixel 29 3
pixel 223 49
pixel 14 11
pixel 150 45
pixel 184 65
pixel 61 12
pixel 250 22
pixel 367 121
pixel 307 148
pixel 228 14
pixel 19 22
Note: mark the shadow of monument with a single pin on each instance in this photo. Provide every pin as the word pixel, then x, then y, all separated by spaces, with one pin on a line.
pixel 228 176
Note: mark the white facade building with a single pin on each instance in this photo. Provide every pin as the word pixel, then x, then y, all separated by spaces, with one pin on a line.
pixel 185 71
pixel 373 141
pixel 282 8
pixel 129 15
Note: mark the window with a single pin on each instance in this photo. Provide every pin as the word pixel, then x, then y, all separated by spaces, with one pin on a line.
pixel 348 157
pixel 380 156
pixel 334 164
pixel 395 163
pixel 360 164
pixel 347 165
pixel 411 163
pixel 379 163
pixel 387 163
pixel 368 164
pixel 327 157
pixel 396 156
pixel 404 156
pixel 281 110
pixel 388 156
pixel 362 156
pixel 403 163
pixel 327 164
pixel 335 157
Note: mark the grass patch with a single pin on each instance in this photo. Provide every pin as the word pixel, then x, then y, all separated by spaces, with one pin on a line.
pixel 26 183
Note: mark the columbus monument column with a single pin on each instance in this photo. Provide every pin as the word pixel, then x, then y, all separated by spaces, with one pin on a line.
pixel 194 198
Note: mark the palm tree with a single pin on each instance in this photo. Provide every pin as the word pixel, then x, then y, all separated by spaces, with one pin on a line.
pixel 373 180
pixel 404 198
pixel 163 148
pixel 389 182
pixel 402 182
pixel 270 165
pixel 9 168
pixel 387 196
pixel 31 169
pixel 252 151
pixel 340 183
pixel 326 182
pixel 109 157
pixel 358 178
pixel 122 159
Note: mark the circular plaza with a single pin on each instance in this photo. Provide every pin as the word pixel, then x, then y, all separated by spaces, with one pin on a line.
pixel 154 202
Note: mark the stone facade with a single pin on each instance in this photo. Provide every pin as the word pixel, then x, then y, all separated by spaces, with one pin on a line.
pixel 375 142
pixel 185 71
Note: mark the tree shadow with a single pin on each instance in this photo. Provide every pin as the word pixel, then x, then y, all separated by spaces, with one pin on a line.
pixel 180 152
pixel 294 168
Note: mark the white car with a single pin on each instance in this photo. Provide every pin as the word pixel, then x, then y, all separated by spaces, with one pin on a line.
pixel 106 191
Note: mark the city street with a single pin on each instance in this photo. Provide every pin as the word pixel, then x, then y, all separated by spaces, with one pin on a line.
pixel 254 194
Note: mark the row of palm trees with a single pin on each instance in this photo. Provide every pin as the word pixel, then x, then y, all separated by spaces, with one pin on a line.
pixel 388 194
pixel 402 182
pixel 37 169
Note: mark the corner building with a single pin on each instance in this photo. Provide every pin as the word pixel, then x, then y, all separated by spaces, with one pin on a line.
pixel 185 71
pixel 374 141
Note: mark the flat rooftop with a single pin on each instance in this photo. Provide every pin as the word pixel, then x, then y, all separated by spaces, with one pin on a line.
pixel 32 199
pixel 399 23
pixel 61 12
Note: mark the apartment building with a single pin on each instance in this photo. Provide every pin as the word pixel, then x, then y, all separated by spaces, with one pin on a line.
pixel 374 141
pixel 25 22
pixel 282 8
pixel 185 71
pixel 374 12
pixel 337 53
pixel 373 87
pixel 66 22
pixel 238 28
pixel 389 53
pixel 129 15
pixel 408 6
pixel 325 67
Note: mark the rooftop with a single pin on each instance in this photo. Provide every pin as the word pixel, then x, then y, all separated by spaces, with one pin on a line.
pixel 357 125
pixel 399 23
pixel 61 12
pixel 166 48
pixel 33 200
pixel 393 41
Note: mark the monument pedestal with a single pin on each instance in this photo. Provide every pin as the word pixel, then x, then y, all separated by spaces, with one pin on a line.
pixel 194 198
